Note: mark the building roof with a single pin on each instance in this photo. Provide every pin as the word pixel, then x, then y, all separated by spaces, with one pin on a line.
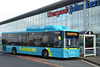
pixel 41 10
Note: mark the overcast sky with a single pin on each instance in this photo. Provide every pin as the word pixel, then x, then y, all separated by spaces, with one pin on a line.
pixel 12 8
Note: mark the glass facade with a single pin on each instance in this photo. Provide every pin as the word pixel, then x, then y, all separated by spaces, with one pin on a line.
pixel 85 19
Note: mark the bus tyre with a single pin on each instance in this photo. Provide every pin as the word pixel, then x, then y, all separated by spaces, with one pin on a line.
pixel 45 54
pixel 14 52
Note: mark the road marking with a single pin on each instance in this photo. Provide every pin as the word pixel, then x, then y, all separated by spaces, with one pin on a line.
pixel 90 63
pixel 36 60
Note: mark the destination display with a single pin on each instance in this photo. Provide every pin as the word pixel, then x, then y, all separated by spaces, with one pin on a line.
pixel 71 34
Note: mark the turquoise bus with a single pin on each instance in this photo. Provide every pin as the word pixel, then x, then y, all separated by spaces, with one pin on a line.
pixel 46 41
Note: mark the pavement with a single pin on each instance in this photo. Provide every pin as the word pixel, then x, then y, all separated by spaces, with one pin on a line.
pixel 92 59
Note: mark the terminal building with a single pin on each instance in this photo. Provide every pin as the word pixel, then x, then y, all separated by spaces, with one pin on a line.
pixel 81 15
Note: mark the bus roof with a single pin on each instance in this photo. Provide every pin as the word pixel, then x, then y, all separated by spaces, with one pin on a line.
pixel 44 29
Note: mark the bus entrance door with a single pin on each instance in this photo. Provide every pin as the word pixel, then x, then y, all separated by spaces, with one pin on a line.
pixel 24 44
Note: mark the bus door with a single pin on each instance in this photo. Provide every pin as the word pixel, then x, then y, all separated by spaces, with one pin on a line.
pixel 24 43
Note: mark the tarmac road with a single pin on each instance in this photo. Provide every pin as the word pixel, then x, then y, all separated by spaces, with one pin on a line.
pixel 9 60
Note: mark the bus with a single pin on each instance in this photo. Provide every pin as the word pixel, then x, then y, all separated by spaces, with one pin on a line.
pixel 46 41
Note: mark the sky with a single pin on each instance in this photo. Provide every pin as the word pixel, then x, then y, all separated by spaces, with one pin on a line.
pixel 13 8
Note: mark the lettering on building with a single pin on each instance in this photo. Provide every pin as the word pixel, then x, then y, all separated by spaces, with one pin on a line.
pixel 74 8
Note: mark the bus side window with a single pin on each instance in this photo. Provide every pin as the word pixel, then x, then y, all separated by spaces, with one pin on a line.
pixel 31 43
pixel 38 41
pixel 52 38
pixel 38 38
pixel 45 41
pixel 31 39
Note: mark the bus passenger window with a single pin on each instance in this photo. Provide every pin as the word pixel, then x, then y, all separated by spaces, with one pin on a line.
pixel 53 39
pixel 31 42
pixel 12 43
pixel 37 41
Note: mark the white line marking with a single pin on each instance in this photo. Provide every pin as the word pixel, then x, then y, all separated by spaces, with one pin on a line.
pixel 90 63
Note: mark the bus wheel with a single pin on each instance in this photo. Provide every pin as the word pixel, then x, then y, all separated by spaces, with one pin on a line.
pixel 14 52
pixel 45 54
